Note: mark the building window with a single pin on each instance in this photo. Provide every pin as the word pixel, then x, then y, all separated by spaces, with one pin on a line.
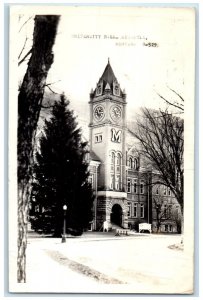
pixel 164 191
pixel 112 162
pixel 128 185
pixel 170 228
pixel 135 163
pixel 99 89
pixel 165 211
pixel 91 180
pixel 169 211
pixel 135 186
pixel 112 158
pixel 117 183
pixel 135 210
pixel 116 90
pixel 157 191
pixel 98 138
pixel 118 163
pixel 141 210
pixel 166 227
pixel 130 164
pixel 118 160
pixel 141 187
pixel 118 169
pixel 112 182
pixel 129 209
pixel 169 192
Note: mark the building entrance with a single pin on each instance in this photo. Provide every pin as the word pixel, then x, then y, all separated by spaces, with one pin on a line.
pixel 116 215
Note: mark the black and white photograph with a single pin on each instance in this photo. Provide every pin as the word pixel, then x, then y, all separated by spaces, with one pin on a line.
pixel 101 149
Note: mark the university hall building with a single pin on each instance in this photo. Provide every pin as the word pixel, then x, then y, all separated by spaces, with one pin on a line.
pixel 124 191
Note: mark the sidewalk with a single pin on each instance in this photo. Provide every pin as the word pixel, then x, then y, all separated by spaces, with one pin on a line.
pixel 95 235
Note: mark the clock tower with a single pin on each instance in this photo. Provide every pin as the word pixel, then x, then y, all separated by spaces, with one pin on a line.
pixel 107 141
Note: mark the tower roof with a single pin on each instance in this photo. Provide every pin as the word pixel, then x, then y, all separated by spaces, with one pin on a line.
pixel 108 75
pixel 108 84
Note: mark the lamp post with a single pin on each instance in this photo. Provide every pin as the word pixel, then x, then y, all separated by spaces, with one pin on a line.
pixel 64 225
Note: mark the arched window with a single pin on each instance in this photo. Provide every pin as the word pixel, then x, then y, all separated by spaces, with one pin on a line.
pixel 112 158
pixel 118 163
pixel 112 177
pixel 118 171
pixel 135 163
pixel 112 181
pixel 118 182
pixel 130 164
pixel 141 187
pixel 112 162
pixel 141 210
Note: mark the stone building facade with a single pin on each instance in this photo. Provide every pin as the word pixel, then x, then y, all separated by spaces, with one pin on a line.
pixel 125 195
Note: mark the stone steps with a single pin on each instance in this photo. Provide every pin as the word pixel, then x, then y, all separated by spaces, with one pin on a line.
pixel 119 230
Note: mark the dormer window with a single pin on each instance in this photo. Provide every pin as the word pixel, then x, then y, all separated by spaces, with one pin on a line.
pixel 132 163
pixel 99 89
pixel 116 89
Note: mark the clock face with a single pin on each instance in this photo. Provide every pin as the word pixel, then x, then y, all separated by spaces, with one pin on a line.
pixel 99 113
pixel 116 113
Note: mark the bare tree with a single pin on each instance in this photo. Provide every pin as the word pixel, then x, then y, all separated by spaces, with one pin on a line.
pixel 160 135
pixel 29 105
pixel 177 218
pixel 177 104
pixel 163 211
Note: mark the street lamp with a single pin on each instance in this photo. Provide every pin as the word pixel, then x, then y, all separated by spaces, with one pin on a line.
pixel 64 225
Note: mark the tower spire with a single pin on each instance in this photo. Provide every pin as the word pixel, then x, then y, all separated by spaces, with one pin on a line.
pixel 108 84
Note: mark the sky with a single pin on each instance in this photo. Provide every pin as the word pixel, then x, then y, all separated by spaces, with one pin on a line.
pixel 150 51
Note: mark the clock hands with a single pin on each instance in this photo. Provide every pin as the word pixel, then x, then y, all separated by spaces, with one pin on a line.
pixel 99 112
pixel 116 113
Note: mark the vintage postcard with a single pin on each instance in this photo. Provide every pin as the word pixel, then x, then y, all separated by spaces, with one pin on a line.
pixel 101 149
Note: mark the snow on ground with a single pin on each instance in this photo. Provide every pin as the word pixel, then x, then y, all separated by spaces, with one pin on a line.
pixel 105 263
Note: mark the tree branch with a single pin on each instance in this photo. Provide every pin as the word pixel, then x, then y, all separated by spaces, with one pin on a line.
pixel 46 85
pixel 25 23
pixel 170 103
pixel 23 48
pixel 181 98
pixel 23 59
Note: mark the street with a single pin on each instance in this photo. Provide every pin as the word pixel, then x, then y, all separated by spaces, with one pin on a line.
pixel 101 262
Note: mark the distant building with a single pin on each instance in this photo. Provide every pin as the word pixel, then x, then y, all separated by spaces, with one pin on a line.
pixel 125 193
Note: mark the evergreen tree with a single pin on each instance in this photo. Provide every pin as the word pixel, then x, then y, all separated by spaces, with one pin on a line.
pixel 61 175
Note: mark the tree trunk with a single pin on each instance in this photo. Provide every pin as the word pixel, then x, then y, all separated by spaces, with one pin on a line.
pixel 23 194
pixel 29 105
pixel 158 226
